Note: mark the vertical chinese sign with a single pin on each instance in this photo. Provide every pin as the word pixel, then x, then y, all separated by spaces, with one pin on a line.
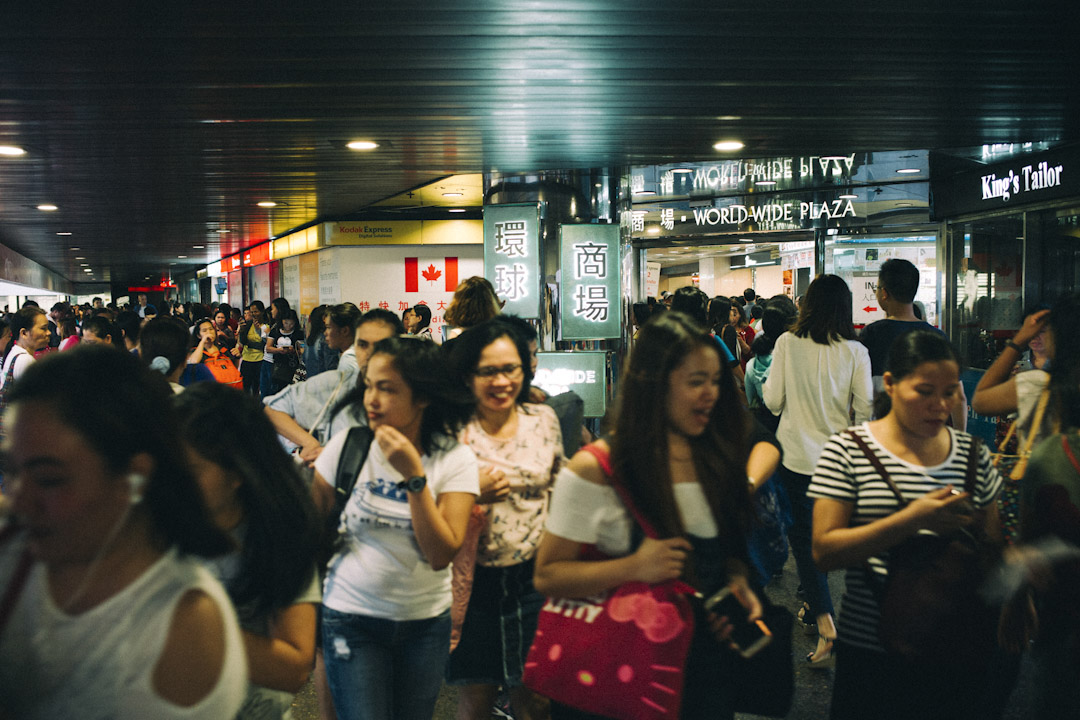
pixel 512 256
pixel 589 289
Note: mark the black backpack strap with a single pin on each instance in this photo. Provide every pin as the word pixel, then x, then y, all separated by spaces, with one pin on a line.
pixel 353 455
pixel 972 476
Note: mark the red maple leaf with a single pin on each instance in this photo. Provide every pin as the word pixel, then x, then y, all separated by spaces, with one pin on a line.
pixel 431 274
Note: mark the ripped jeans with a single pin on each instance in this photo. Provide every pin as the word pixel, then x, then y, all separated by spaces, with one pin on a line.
pixel 384 669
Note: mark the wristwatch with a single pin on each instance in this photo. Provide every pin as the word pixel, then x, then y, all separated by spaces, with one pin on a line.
pixel 414 484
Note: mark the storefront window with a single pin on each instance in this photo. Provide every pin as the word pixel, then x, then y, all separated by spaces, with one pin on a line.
pixel 857 261
pixel 989 286
pixel 1054 253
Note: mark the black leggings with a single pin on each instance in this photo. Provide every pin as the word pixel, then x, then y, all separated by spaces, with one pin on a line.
pixel 250 372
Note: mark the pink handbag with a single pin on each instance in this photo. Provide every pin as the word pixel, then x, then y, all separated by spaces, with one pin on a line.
pixel 621 654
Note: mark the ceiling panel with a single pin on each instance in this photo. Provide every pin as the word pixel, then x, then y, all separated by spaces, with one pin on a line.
pixel 153 125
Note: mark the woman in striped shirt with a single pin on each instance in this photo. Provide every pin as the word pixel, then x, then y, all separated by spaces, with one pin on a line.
pixel 857 521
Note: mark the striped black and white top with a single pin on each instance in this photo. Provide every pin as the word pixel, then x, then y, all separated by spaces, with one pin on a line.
pixel 844 473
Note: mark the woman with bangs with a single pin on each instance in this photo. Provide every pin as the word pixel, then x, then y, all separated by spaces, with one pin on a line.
pixel 519 447
pixel 386 600
pixel 686 475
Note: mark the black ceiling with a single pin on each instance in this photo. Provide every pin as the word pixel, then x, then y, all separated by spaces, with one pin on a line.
pixel 152 125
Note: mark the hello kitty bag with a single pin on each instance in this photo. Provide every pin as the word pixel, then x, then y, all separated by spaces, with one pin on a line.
pixel 621 654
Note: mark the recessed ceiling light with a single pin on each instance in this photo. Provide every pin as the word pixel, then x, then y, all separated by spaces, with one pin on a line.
pixel 908 171
pixel 452 194
pixel 682 171
pixel 80 258
pixel 848 197
pixel 746 240
pixel 197 247
pixel 11 150
pixel 267 204
pixel 223 230
pixel 63 233
pixel 47 208
pixel 728 146
pixel 181 257
pixel 599 185
pixel 87 270
pixel 73 247
pixel 765 183
pixel 362 145
pixel 457 210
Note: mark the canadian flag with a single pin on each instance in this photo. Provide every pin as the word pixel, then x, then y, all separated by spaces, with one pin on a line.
pixel 435 273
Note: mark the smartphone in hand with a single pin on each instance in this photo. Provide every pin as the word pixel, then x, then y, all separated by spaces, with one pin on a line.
pixel 747 637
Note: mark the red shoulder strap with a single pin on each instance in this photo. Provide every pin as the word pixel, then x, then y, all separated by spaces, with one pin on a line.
pixel 1069 452
pixel 604 458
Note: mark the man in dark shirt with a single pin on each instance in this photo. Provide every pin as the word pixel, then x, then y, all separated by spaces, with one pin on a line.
pixel 898 281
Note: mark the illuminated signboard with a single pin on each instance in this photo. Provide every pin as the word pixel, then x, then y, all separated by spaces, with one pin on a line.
pixel 584 373
pixel 512 256
pixel 591 305
pixel 1023 179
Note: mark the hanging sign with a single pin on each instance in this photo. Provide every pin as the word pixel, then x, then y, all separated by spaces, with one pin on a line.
pixel 584 373
pixel 589 290
pixel 1024 179
pixel 512 256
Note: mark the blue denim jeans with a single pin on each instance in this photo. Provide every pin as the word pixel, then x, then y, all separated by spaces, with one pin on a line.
pixel 815 584
pixel 384 669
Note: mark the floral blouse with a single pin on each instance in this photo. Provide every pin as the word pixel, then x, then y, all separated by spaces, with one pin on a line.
pixel 530 460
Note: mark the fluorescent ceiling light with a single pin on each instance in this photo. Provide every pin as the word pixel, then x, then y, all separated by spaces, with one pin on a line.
pixel 47 208
pixel 765 183
pixel 63 233
pixel 11 150
pixel 267 204
pixel 682 171
pixel 457 210
pixel 223 230
pixel 362 145
pixel 908 171
pixel 728 146
pixel 848 196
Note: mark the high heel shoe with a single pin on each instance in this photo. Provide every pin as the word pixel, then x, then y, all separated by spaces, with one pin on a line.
pixel 824 656
pixel 806 620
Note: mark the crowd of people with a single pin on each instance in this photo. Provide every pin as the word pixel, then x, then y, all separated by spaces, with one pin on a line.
pixel 204 507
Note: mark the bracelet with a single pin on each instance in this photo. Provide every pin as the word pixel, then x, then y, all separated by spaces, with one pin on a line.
pixel 1014 346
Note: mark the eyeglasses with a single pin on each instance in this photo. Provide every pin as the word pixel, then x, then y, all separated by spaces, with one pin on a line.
pixel 512 372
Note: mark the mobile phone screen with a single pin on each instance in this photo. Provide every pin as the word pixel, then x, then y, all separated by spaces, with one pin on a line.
pixel 747 636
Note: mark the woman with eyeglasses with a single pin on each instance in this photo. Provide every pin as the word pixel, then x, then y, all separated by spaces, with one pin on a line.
pixel 519 448
pixel 386 600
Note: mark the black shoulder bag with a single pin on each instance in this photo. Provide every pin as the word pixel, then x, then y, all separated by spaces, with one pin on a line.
pixel 353 455
pixel 931 609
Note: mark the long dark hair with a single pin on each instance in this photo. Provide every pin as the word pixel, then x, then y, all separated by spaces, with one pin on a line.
pixel 639 447
pixel 720 322
pixel 1065 366
pixel 122 409
pixel 277 557
pixel 423 367
pixel 825 314
pixel 316 324
pixel 466 349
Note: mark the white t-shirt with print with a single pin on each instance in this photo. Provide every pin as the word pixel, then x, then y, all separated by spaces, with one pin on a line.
pixel 381 571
